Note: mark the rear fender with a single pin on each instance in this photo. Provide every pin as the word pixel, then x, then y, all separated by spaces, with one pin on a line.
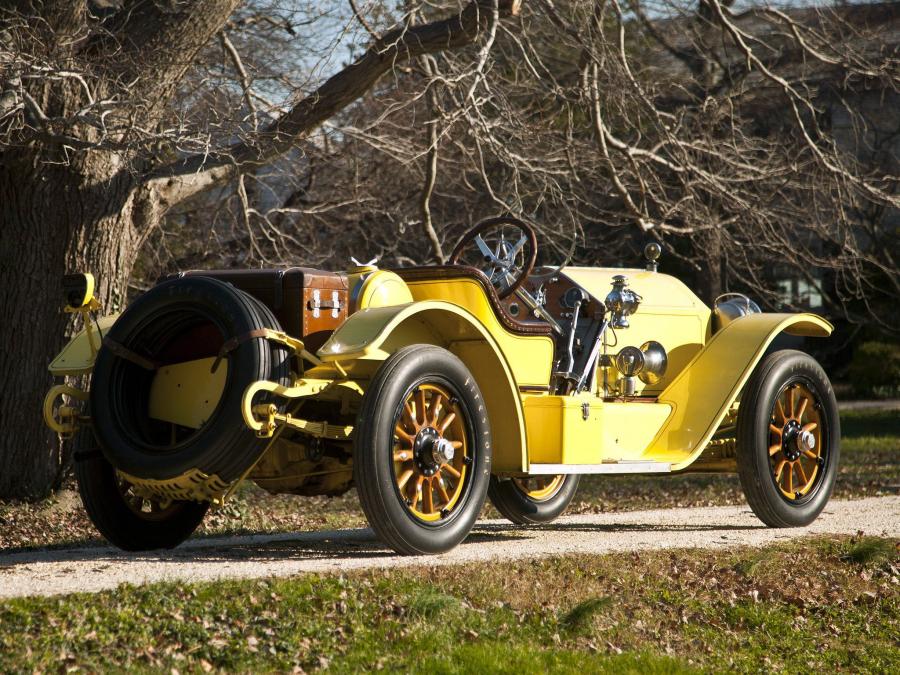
pixel 370 336
pixel 702 394
pixel 77 357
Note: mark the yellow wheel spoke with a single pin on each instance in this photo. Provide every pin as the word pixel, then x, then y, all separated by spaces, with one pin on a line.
pixel 428 497
pixel 409 417
pixel 402 455
pixel 801 474
pixel 435 409
pixel 420 407
pixel 417 493
pixel 780 410
pixel 779 469
pixel 404 479
pixel 811 454
pixel 448 420
pixel 456 444
pixel 775 430
pixel 803 403
pixel 442 490
pixel 449 468
pixel 810 426
pixel 403 435
pixel 774 449
pixel 790 480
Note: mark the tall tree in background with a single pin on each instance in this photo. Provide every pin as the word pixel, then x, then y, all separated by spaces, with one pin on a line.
pixel 761 146
pixel 94 149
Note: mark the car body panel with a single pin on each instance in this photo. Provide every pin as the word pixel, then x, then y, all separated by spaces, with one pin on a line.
pixel 530 357
pixel 665 301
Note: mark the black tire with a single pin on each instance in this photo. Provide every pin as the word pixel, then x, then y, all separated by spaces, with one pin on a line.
pixel 391 515
pixel 180 320
pixel 123 525
pixel 785 378
pixel 512 500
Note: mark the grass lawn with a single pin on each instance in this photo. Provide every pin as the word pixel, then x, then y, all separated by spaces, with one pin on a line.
pixel 826 605
pixel 870 466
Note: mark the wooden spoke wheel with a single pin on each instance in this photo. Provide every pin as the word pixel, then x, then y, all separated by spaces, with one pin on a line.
pixel 540 488
pixel 795 435
pixel 431 457
pixel 422 451
pixel 146 508
pixel 126 519
pixel 788 439
pixel 531 500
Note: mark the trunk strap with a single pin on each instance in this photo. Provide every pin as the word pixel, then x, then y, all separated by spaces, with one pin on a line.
pixel 123 352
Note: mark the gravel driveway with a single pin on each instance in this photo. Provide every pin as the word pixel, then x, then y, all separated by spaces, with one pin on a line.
pixel 52 572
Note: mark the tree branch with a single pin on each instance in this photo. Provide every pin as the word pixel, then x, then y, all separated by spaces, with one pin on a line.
pixel 181 180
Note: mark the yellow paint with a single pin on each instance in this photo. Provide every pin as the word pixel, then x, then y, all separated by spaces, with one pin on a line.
pixel 373 334
pixel 187 393
pixel 704 391
pixel 629 427
pixel 191 485
pixel 77 357
pixel 307 386
pixel 559 434
pixel 669 313
pixel 383 289
pixel 557 431
pixel 530 357
pixel 63 419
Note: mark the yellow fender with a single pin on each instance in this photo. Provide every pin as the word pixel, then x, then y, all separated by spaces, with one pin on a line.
pixel 705 390
pixel 77 357
pixel 371 335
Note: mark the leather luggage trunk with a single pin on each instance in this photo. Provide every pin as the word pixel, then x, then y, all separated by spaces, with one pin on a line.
pixel 308 303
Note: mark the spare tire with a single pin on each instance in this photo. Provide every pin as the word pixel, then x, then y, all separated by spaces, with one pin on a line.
pixel 178 321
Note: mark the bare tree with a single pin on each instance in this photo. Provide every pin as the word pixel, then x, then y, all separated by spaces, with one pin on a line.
pixel 96 146
pixel 760 146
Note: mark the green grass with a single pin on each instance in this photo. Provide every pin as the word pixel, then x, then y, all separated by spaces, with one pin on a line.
pixel 806 606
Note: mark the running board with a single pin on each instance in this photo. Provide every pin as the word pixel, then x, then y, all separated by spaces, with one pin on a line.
pixel 625 466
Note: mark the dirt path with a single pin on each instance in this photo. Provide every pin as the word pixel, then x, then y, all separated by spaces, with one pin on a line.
pixel 94 569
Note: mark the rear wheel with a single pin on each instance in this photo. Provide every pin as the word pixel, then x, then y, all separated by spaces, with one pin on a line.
pixel 422 455
pixel 127 520
pixel 788 437
pixel 533 499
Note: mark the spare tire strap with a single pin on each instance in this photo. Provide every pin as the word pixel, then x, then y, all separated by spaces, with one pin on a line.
pixel 235 342
pixel 123 352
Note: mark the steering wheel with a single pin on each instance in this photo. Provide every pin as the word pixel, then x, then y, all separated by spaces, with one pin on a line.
pixel 504 248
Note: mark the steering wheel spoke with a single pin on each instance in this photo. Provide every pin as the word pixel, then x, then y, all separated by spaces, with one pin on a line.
pixel 505 260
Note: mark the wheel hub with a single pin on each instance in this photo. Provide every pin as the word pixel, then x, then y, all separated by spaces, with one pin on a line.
pixel 432 450
pixel 790 444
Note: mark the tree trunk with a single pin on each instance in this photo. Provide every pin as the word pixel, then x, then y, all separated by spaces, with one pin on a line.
pixel 54 218
pixel 711 252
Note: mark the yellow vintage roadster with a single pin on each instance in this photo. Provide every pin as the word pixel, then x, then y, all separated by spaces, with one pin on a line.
pixel 430 388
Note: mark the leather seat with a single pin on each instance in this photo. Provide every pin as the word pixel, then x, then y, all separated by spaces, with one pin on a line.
pixel 448 272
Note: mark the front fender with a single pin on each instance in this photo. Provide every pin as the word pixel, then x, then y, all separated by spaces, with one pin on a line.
pixel 373 334
pixel 705 390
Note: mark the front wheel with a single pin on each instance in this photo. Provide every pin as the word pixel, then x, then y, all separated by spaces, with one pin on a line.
pixel 533 499
pixel 788 440
pixel 422 455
